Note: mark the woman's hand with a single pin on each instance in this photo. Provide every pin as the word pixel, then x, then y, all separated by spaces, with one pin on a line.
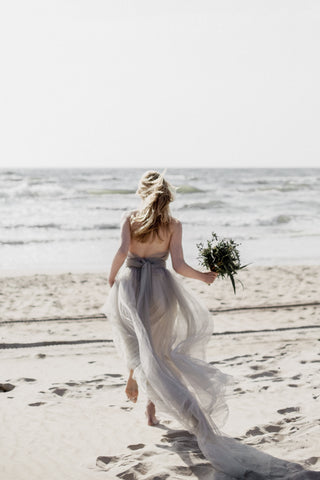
pixel 111 281
pixel 209 277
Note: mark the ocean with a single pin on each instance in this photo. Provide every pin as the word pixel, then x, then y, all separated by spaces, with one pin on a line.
pixel 67 220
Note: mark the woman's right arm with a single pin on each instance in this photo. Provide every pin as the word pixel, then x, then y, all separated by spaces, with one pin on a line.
pixel 178 262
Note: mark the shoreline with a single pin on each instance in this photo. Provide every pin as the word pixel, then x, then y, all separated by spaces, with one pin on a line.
pixel 5 273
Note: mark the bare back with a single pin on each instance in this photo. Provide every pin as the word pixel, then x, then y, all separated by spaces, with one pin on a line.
pixel 153 246
pixel 170 241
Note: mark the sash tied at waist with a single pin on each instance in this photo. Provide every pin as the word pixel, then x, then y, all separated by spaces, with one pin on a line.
pixel 145 262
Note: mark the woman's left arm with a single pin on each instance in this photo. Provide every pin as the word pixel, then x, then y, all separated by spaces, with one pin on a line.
pixel 122 252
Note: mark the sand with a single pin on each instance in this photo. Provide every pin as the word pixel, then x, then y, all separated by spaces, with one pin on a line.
pixel 67 416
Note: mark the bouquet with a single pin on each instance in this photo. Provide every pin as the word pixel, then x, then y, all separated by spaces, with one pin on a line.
pixel 221 256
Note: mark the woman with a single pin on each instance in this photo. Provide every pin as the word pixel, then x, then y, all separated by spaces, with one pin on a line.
pixel 152 233
pixel 162 331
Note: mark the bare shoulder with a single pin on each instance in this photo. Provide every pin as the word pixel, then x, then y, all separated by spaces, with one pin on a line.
pixel 175 224
pixel 128 215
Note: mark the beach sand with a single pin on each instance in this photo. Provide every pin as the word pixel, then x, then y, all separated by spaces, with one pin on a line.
pixel 66 405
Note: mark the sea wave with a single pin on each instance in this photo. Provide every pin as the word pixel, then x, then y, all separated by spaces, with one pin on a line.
pixel 111 191
pixel 41 181
pixel 203 205
pixel 104 226
pixel 112 208
pixel 56 226
pixel 188 189
pixel 49 240
pixel 96 178
pixel 4 180
pixel 29 191
pixel 281 219
pixel 277 220
pixel 288 187
pixel 23 242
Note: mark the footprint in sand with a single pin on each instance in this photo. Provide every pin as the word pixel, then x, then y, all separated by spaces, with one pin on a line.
pixel 41 355
pixel 6 387
pixel 282 411
pixel 102 380
pixel 94 380
pixel 59 391
pixel 291 419
pixel 253 432
pixel 239 390
pixel 268 373
pixel 311 461
pixel 36 404
pixel 263 429
pixel 236 358
pixel 85 387
pixel 177 434
pixel 256 367
pixel 130 474
pixel 103 461
pixel 138 446
pixel 273 428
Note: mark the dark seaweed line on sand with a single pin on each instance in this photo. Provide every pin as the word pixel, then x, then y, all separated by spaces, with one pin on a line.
pixel 51 343
pixel 75 342
pixel 211 310
pixel 280 329
pixel 266 307
pixel 57 319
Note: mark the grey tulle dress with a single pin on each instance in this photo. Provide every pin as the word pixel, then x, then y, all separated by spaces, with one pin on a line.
pixel 162 330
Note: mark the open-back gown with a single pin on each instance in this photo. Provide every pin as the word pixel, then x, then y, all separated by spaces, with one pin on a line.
pixel 162 330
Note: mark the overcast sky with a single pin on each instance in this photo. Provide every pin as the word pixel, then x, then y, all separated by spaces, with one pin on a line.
pixel 168 83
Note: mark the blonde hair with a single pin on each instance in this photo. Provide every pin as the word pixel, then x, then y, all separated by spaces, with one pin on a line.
pixel 156 194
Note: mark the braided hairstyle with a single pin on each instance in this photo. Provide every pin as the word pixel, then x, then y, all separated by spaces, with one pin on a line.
pixel 156 194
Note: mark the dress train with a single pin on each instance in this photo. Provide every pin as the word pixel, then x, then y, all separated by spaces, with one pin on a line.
pixel 162 330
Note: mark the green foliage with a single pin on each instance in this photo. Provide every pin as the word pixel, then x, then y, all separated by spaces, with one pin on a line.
pixel 221 256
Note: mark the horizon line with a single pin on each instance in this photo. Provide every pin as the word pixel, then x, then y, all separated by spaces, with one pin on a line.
pixel 158 167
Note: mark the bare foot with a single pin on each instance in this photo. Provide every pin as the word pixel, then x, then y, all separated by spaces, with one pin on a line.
pixel 132 390
pixel 151 414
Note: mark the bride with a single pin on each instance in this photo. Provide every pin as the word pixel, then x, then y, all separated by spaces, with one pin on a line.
pixel 162 330
pixel 147 236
